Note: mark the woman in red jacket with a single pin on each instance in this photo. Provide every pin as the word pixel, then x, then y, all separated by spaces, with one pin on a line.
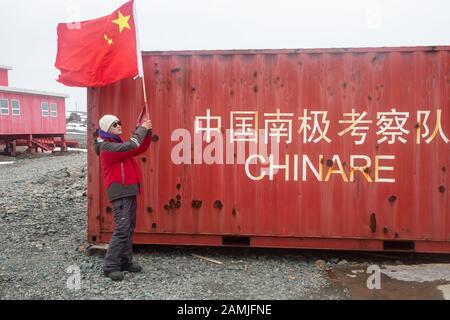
pixel 123 180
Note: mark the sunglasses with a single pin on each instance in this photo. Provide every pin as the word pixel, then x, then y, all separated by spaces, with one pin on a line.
pixel 116 124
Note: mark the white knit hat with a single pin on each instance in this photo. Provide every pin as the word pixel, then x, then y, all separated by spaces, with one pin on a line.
pixel 107 121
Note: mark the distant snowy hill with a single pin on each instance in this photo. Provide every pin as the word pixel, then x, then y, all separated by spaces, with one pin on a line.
pixel 76 121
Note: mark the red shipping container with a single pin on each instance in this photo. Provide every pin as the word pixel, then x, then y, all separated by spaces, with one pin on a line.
pixel 362 139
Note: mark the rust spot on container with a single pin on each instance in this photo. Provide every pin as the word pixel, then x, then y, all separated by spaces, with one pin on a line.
pixel 369 98
pixel 179 186
pixel 149 209
pixel 255 89
pixel 255 74
pixel 144 159
pixel 178 197
pixel 193 90
pixel 178 205
pixel 109 209
pixel 377 146
pixel 385 230
pixel 197 204
pixel 223 130
pixel 154 225
pixel 176 70
pixel 172 204
pixel 417 125
pixel 234 212
pixel 367 170
pixel 392 198
pixel 155 138
pixel 329 163
pixel 218 204
pixel 396 235
pixel 441 189
pixel 444 169
pixel 156 72
pixel 232 92
pixel 166 207
pixel 344 85
pixel 373 223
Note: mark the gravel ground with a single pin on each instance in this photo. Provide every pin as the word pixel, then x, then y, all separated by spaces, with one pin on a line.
pixel 43 226
pixel 43 218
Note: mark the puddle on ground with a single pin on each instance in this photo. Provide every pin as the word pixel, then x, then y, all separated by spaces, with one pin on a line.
pixel 397 282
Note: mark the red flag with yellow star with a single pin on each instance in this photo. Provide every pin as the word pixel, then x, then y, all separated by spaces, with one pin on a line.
pixel 101 51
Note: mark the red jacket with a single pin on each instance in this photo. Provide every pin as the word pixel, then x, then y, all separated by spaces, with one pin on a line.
pixel 121 173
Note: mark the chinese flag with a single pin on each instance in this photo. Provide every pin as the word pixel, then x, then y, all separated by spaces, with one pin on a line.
pixel 101 51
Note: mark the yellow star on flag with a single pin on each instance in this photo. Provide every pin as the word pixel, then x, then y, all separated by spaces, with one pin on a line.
pixel 108 40
pixel 122 21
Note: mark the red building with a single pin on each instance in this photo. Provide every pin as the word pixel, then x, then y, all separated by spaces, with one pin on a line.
pixel 30 118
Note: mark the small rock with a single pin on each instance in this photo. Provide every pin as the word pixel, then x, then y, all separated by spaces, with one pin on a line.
pixel 320 264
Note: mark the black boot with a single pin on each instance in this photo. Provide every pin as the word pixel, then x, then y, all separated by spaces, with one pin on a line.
pixel 115 275
pixel 133 268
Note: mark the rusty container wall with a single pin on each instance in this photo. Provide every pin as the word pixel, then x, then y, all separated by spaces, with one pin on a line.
pixel 218 204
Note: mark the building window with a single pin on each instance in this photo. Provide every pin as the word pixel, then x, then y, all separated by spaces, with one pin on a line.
pixel 15 107
pixel 44 107
pixel 4 107
pixel 53 110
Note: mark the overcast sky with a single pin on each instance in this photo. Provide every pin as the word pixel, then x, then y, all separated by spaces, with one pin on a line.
pixel 28 29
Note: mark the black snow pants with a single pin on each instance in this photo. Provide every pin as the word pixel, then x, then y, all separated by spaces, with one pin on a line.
pixel 120 251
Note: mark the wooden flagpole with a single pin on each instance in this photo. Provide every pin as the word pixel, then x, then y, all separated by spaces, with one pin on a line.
pixel 145 109
pixel 141 70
